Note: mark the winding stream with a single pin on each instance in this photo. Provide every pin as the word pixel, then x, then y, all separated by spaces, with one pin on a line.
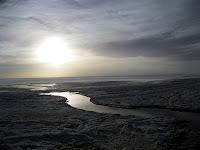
pixel 83 102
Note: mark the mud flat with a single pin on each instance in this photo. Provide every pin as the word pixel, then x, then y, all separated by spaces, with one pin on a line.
pixel 32 121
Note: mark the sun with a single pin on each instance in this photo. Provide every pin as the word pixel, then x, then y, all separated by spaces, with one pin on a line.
pixel 54 51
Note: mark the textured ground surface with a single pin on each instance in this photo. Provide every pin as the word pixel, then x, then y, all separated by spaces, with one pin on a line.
pixel 31 121
pixel 182 94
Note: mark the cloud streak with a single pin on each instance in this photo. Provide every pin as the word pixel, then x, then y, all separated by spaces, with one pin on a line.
pixel 153 46
pixel 157 29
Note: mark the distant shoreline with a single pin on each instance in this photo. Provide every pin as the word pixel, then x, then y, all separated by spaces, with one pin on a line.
pixel 111 76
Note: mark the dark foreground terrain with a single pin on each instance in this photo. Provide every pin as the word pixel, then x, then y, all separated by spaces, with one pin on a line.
pixel 32 121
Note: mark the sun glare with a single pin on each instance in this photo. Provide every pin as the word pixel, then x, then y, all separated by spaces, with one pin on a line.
pixel 54 51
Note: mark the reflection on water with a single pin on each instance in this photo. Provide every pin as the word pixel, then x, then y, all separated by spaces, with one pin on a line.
pixel 35 87
pixel 136 78
pixel 82 102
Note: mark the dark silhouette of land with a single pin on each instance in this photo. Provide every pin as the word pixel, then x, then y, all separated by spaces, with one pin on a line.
pixel 32 121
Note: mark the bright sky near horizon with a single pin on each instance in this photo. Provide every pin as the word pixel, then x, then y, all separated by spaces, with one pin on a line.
pixel 54 38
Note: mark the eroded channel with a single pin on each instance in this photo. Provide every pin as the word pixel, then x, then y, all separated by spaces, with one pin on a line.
pixel 79 101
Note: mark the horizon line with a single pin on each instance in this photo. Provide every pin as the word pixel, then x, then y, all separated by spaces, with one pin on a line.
pixel 104 76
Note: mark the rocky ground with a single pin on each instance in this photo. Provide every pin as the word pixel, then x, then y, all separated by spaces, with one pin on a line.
pixel 32 121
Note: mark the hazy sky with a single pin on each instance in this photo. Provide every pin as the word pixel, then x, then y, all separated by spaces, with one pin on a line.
pixel 107 37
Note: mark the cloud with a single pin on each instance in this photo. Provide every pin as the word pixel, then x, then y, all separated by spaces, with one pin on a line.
pixel 153 46
pixel 111 28
pixel 157 29
pixel 3 2
pixel 170 30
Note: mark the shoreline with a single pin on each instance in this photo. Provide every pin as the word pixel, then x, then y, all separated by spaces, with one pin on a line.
pixel 32 121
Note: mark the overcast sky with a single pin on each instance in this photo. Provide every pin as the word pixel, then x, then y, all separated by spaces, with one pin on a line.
pixel 109 37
